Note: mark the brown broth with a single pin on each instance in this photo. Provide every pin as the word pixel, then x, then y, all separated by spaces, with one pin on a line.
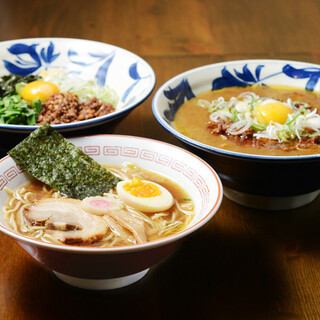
pixel 30 193
pixel 192 120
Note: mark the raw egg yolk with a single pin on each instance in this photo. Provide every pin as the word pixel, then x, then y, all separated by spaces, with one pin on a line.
pixel 143 189
pixel 272 111
pixel 38 90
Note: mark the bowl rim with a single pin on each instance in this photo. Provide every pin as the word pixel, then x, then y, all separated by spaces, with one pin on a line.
pixel 211 211
pixel 94 121
pixel 212 149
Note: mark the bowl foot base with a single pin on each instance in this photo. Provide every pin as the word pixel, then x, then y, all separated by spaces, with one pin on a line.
pixel 101 284
pixel 270 203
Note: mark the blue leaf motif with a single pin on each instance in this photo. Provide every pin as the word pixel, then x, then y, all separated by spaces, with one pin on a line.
pixel 50 50
pixel 312 73
pixel 246 74
pixel 133 71
pixel 72 53
pixel 21 48
pixel 49 56
pixel 43 54
pixel 102 72
pixel 227 80
pixel 128 91
pixel 134 74
pixel 240 79
pixel 98 57
pixel 303 73
pixel 101 56
pixel 14 69
pixel 177 95
pixel 18 49
pixel 312 82
pixel 258 71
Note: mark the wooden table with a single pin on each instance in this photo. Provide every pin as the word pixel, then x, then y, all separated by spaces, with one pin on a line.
pixel 245 264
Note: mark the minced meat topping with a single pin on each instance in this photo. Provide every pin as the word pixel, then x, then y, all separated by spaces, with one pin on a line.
pixel 66 108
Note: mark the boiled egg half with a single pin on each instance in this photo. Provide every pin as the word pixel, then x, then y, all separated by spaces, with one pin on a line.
pixel 144 195
pixel 271 110
pixel 38 90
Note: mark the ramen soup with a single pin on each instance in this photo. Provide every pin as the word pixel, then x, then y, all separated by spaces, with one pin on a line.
pixel 144 206
pixel 278 121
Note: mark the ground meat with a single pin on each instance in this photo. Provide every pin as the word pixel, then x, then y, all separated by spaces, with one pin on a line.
pixel 66 108
pixel 247 138
pixel 273 144
pixel 218 127
pixel 94 108
pixel 221 127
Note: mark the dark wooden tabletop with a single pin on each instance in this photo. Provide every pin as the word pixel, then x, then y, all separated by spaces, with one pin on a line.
pixel 244 264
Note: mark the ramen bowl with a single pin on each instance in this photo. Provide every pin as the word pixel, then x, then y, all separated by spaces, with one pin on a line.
pixel 130 76
pixel 258 181
pixel 110 268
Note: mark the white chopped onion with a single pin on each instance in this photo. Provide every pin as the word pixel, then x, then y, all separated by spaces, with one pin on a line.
pixel 205 103
pixel 312 123
pixel 239 127
pixel 241 106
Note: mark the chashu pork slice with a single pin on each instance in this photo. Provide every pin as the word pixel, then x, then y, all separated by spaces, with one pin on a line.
pixel 66 221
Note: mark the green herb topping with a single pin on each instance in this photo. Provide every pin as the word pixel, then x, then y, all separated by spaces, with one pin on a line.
pixel 14 110
pixel 9 83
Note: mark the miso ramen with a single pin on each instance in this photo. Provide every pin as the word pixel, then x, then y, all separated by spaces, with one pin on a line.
pixel 144 206
pixel 278 121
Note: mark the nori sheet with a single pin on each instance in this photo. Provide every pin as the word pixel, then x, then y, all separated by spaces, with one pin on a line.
pixel 47 156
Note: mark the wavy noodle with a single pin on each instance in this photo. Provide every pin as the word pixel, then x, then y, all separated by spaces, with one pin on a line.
pixel 157 225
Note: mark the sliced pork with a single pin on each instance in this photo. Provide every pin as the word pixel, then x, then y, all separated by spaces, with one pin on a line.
pixel 66 221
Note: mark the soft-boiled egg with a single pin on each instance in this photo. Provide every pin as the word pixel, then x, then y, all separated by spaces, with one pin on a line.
pixel 271 110
pixel 38 90
pixel 144 195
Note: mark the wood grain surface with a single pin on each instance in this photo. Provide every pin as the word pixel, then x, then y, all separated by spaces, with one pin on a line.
pixel 244 264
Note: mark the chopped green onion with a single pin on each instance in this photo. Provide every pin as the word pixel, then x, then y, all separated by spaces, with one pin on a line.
pixel 258 126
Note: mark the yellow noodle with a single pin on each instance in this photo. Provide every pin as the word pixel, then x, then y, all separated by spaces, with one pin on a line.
pixel 157 225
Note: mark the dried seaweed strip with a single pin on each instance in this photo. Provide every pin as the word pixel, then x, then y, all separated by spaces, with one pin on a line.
pixel 49 157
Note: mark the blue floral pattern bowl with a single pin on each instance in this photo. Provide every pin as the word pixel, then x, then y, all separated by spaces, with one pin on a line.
pixel 128 74
pixel 258 181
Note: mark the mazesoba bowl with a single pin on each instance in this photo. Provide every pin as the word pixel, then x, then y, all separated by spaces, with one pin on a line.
pixel 129 75
pixel 108 268
pixel 260 181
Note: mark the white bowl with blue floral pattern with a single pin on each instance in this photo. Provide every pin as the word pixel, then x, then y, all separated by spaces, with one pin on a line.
pixel 129 75
pixel 260 181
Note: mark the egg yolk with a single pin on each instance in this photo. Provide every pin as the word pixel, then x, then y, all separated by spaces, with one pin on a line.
pixel 38 90
pixel 142 189
pixel 272 111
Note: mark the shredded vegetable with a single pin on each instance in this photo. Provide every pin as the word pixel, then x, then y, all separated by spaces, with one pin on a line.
pixel 240 115
pixel 84 89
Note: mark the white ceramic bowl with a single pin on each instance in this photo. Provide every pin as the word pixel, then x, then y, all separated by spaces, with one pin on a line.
pixel 259 181
pixel 108 268
pixel 128 74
